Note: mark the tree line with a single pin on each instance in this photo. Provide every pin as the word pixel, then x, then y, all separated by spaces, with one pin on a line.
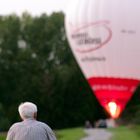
pixel 37 65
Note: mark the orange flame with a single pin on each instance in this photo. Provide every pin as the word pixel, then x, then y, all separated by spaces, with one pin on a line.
pixel 113 109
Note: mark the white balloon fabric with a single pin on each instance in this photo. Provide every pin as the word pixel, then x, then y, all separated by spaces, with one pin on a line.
pixel 105 39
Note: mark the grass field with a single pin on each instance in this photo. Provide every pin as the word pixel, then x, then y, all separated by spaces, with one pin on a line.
pixel 125 133
pixel 70 134
pixel 2 136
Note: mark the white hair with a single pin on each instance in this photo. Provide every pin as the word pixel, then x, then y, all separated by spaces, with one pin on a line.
pixel 27 110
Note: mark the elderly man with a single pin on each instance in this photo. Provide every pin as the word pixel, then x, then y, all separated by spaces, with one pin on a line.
pixel 29 128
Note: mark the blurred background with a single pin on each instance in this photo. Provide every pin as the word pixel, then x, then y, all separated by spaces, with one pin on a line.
pixel 37 65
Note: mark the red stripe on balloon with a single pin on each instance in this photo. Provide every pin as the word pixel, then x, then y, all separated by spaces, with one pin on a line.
pixel 113 90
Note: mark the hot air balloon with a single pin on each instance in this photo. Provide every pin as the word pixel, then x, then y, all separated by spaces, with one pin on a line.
pixel 105 39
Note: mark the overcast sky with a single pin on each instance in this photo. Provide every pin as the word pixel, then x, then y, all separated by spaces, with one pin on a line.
pixel 34 7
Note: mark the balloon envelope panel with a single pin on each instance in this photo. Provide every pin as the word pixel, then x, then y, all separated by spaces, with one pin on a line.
pixel 104 37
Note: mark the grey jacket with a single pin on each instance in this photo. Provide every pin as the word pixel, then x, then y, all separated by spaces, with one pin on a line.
pixel 30 129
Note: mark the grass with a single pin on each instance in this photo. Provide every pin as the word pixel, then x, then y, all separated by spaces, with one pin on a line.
pixel 125 133
pixel 2 136
pixel 136 128
pixel 64 134
pixel 70 134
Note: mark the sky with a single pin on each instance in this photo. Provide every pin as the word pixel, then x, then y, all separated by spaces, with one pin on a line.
pixel 34 7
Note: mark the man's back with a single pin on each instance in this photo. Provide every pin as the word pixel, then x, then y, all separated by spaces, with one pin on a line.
pixel 30 129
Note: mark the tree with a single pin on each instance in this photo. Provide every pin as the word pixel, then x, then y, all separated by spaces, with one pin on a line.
pixel 36 64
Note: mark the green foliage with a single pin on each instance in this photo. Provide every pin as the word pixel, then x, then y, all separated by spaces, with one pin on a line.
pixel 4 122
pixel 36 64
pixel 132 112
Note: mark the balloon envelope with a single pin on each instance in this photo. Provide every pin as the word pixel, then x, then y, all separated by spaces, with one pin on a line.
pixel 105 39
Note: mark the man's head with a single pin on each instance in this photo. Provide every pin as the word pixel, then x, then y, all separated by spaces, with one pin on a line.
pixel 27 110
